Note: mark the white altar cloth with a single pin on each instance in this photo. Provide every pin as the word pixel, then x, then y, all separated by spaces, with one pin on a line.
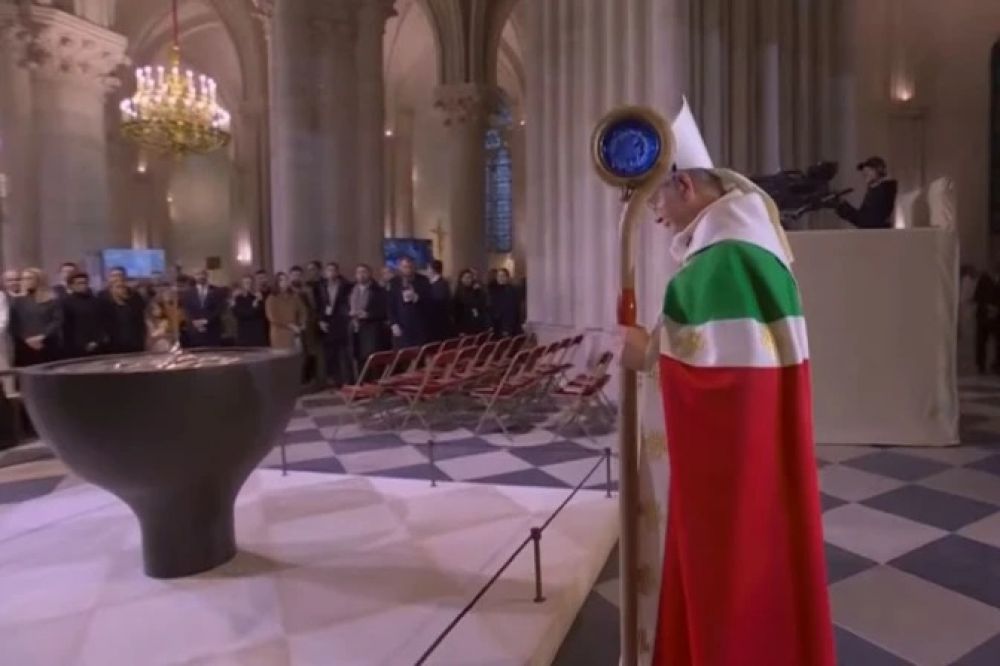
pixel 882 310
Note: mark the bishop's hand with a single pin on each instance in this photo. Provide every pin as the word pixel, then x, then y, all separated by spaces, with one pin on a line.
pixel 633 342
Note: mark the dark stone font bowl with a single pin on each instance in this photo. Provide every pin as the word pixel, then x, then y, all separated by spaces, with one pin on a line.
pixel 175 437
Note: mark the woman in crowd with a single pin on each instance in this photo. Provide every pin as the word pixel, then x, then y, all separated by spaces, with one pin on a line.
pixel 126 320
pixel 286 313
pixel 164 320
pixel 36 321
pixel 471 308
pixel 5 304
pixel 505 306
pixel 251 320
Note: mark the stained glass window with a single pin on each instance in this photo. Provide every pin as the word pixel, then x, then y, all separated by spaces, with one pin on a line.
pixel 499 187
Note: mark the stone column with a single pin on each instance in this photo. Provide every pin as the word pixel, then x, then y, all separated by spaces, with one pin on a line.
pixel 18 241
pixel 464 108
pixel 584 58
pixel 297 152
pixel 263 13
pixel 70 60
pixel 400 150
pixel 769 88
pixel 336 30
pixel 369 226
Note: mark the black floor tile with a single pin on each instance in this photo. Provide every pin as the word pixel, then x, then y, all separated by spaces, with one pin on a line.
pixel 527 477
pixel 958 564
pixel 593 638
pixel 329 465
pixel 841 564
pixel 853 650
pixel 987 654
pixel 26 489
pixel 302 436
pixel 554 453
pixel 931 507
pixel 372 442
pixel 829 502
pixel 991 464
pixel 897 465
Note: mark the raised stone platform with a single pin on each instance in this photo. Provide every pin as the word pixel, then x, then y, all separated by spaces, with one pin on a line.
pixel 333 570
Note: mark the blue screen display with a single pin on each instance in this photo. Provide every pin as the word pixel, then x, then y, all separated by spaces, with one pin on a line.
pixel 137 263
pixel 418 249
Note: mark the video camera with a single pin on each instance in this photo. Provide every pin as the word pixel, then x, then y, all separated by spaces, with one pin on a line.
pixel 799 192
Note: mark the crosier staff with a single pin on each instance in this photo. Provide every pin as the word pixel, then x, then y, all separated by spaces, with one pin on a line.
pixel 632 149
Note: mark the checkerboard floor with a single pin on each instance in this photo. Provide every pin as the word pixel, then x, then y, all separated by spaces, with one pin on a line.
pixel 913 551
pixel 913 535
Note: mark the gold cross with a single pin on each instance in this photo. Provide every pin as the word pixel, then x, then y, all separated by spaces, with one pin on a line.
pixel 439 234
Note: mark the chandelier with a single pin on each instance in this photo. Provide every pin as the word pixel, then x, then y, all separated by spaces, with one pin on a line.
pixel 173 111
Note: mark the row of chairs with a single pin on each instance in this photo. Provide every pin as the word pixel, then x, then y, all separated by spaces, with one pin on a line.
pixel 497 377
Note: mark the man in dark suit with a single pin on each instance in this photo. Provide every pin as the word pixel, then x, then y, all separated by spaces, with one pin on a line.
pixel 369 333
pixel 409 295
pixel 505 306
pixel 439 308
pixel 66 273
pixel 333 301
pixel 987 300
pixel 203 307
pixel 880 198
pixel 84 332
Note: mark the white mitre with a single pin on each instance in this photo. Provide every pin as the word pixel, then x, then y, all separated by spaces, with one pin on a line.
pixel 690 152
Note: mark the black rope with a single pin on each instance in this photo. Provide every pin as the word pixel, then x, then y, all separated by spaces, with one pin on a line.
pixel 573 494
pixel 475 600
pixel 479 595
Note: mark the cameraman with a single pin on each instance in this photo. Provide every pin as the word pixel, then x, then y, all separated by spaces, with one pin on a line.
pixel 880 198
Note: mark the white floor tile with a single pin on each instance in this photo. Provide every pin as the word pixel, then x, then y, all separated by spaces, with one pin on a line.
pixel 300 423
pixel 877 535
pixel 952 455
pixel 573 471
pixel 922 622
pixel 854 485
pixel 986 530
pixel 339 570
pixel 534 437
pixel 970 483
pixel 840 453
pixel 27 596
pixel 365 462
pixel 481 465
pixel 306 451
pixel 415 436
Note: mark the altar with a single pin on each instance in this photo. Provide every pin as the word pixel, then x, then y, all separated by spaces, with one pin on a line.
pixel 882 310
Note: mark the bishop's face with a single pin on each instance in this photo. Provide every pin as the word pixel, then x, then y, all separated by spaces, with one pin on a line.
pixel 675 203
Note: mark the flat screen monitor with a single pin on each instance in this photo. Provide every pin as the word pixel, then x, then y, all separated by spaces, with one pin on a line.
pixel 137 263
pixel 418 249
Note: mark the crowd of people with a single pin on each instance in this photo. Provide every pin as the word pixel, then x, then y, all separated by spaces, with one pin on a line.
pixel 335 320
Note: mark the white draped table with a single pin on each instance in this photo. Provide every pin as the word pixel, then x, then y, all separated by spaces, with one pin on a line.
pixel 882 309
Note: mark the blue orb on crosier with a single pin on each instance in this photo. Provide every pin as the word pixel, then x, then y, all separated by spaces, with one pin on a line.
pixel 630 147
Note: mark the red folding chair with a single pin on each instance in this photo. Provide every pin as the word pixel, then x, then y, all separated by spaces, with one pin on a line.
pixel 481 364
pixel 502 397
pixel 584 392
pixel 369 387
pixel 412 372
pixel 435 382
